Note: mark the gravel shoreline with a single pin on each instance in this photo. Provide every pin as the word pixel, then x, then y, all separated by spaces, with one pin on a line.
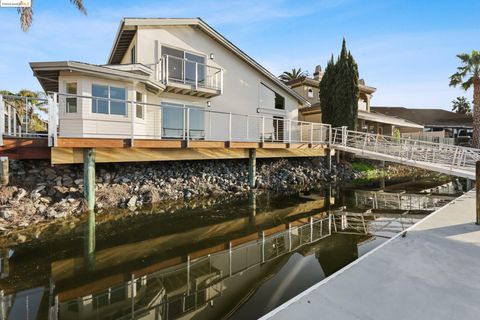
pixel 39 192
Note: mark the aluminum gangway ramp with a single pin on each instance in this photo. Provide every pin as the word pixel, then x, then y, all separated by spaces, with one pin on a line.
pixel 444 158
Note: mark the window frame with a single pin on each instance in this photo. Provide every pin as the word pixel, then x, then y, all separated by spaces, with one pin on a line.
pixel 68 98
pixel 139 103
pixel 109 110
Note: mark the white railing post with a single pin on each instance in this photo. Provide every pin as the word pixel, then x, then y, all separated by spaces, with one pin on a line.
pixel 230 126
pixel 52 120
pixel 183 124
pixel 321 133
pixel 248 126
pixel 167 73
pixel 301 131
pixel 9 120
pixel 132 122
pixel 14 122
pixel 311 132
pixel 344 135
pixel 221 81
pixel 210 124
pixel 196 75
pixel 27 120
pixel 263 129
pixel 330 137
pixel 2 119
pixel 188 124
pixel 289 130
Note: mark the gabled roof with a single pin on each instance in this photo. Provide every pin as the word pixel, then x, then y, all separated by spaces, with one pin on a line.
pixel 128 27
pixel 429 117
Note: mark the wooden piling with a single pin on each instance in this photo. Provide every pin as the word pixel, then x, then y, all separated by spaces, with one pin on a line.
pixel 4 174
pixel 252 167
pixel 89 177
pixel 477 183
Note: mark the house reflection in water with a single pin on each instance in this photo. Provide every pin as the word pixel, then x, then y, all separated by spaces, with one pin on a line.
pixel 208 269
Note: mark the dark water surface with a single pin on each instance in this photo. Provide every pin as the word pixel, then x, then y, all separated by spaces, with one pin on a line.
pixel 235 260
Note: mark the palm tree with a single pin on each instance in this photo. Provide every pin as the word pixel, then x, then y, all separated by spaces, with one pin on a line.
pixel 31 110
pixel 468 76
pixel 461 105
pixel 26 14
pixel 291 75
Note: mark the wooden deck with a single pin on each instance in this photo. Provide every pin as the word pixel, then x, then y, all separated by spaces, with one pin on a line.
pixel 70 150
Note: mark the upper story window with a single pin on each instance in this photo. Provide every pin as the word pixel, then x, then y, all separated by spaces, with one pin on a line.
pixel 133 55
pixel 310 93
pixel 185 66
pixel 71 106
pixel 107 103
pixel 271 99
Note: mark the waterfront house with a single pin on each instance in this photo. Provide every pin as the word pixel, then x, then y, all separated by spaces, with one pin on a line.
pixel 182 65
pixel 368 121
pixel 439 125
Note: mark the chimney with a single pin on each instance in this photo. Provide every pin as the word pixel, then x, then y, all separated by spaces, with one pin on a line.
pixel 317 75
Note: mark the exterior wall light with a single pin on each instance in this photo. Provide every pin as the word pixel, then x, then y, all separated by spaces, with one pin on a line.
pixel 209 103
pixel 212 56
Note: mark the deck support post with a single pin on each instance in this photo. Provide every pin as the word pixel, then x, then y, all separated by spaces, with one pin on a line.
pixel 252 167
pixel 4 174
pixel 477 181
pixel 89 177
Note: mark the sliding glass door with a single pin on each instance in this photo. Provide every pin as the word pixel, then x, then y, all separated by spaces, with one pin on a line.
pixel 174 121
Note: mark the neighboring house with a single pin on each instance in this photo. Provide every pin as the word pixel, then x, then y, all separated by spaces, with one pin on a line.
pixel 436 122
pixel 172 63
pixel 368 121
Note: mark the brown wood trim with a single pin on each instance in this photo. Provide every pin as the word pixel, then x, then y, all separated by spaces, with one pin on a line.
pixel 206 144
pixel 243 145
pixel 207 251
pixel 245 239
pixel 273 145
pixel 275 230
pixel 90 287
pixel 24 142
pixel 162 144
pixel 90 143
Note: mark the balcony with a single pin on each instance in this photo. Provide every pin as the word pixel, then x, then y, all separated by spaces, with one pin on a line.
pixel 183 76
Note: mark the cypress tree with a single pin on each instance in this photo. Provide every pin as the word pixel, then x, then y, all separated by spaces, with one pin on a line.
pixel 339 91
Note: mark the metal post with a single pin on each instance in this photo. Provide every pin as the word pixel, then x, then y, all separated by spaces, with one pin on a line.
pixel 252 165
pixel 230 126
pixel 4 174
pixel 311 228
pixel 263 246
pixel 188 275
pixel 247 127
pixel 289 131
pixel 89 177
pixel 2 119
pixel 263 129
pixel 196 75
pixel 183 124
pixel 188 124
pixel 230 257
pixel 477 182
pixel 311 133
pixel 132 123
pixel 330 137
pixel 9 122
pixel 52 120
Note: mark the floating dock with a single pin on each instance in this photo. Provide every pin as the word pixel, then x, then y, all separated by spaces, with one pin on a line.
pixel 430 272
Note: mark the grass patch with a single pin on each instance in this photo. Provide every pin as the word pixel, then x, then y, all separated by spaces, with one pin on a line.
pixel 362 167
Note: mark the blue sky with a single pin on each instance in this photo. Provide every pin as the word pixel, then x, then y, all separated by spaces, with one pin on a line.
pixel 406 49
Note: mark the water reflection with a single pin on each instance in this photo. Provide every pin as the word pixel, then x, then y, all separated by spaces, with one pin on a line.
pixel 205 264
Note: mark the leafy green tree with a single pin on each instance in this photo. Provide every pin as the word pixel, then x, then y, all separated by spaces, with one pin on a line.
pixel 339 91
pixel 26 14
pixel 31 109
pixel 461 105
pixel 291 75
pixel 468 76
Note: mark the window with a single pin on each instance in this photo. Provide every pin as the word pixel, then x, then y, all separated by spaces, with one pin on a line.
pixel 105 106
pixel 133 55
pixel 270 99
pixel 139 105
pixel 173 122
pixel 184 66
pixel 310 93
pixel 71 101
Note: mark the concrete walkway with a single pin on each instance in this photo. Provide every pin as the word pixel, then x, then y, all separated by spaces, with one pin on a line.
pixel 432 273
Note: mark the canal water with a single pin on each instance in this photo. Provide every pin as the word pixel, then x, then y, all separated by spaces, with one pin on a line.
pixel 237 259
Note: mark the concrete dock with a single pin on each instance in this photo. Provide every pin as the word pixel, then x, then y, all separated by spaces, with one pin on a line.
pixel 431 273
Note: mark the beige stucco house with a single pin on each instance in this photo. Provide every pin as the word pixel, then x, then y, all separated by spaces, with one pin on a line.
pixel 368 120
pixel 156 69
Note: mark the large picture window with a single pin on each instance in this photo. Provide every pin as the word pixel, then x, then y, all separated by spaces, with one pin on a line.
pixel 104 104
pixel 174 122
pixel 183 66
